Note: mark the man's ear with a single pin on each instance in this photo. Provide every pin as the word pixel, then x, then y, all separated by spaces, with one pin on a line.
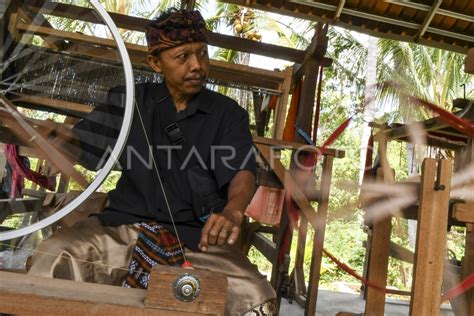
pixel 154 63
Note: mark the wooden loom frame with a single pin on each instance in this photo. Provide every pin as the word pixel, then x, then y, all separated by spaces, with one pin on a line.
pixel 279 82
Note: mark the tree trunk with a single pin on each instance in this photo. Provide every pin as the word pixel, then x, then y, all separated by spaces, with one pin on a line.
pixel 369 109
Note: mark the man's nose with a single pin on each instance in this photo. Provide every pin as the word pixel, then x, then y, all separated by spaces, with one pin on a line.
pixel 195 63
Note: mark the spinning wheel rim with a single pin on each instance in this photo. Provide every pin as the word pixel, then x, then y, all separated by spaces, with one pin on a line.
pixel 117 149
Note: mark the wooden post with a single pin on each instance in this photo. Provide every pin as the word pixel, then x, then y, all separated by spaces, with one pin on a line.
pixel 469 63
pixel 468 266
pixel 279 271
pixel 280 111
pixel 431 237
pixel 298 274
pixel 464 159
pixel 308 92
pixel 319 232
pixel 468 259
pixel 378 244
pixel 378 260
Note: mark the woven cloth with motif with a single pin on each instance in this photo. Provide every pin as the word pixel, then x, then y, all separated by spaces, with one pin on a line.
pixel 155 245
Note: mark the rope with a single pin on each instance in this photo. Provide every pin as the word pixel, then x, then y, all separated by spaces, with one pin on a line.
pixel 455 291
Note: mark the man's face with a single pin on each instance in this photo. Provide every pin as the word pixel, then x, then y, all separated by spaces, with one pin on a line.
pixel 184 68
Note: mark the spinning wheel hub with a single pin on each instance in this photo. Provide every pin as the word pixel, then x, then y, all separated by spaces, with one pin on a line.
pixel 186 288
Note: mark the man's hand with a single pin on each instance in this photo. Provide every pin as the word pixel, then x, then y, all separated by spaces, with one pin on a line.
pixel 225 227
pixel 221 228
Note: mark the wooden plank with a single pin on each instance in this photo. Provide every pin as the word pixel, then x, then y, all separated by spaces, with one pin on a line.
pixel 464 212
pixel 431 237
pixel 75 37
pixel 138 24
pixel 318 241
pixel 32 295
pixel 210 300
pixel 378 259
pixel 55 104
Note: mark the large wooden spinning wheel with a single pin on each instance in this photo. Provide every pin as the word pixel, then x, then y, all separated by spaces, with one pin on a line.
pixel 42 69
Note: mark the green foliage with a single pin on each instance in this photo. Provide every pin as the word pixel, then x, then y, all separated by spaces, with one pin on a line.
pixel 344 239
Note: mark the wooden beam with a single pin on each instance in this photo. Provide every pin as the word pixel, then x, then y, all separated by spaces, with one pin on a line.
pixel 433 124
pixel 138 24
pixel 401 253
pixel 55 104
pixel 306 102
pixel 464 212
pixel 431 237
pixel 32 295
pixel 428 19
pixel 75 37
pixel 104 48
pixel 298 69
pixel 315 50
pixel 339 9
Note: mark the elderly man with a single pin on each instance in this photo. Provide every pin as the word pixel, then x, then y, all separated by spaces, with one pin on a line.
pixel 189 203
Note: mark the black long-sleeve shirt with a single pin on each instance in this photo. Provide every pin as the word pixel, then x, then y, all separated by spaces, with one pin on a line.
pixel 217 137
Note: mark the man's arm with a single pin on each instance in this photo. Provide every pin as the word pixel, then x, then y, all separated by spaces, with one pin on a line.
pixel 225 227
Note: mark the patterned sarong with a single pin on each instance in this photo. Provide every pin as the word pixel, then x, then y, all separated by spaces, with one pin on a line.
pixel 155 245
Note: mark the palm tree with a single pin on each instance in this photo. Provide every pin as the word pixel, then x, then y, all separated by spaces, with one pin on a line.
pixel 430 73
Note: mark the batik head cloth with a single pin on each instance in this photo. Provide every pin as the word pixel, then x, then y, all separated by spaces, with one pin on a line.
pixel 174 28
